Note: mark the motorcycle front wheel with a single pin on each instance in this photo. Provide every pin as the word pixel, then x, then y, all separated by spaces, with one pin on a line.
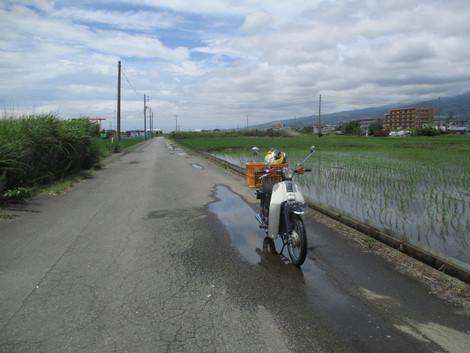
pixel 297 241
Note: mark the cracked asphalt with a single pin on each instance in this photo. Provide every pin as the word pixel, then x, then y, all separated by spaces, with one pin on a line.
pixel 133 260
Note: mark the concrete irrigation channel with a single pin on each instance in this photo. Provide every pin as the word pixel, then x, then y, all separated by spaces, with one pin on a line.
pixel 441 263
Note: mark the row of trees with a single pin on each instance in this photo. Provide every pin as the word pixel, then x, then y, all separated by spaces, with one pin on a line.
pixel 353 128
pixel 373 129
pixel 376 129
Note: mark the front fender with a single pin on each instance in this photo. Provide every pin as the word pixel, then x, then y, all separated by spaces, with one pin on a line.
pixel 297 208
pixel 288 209
pixel 284 193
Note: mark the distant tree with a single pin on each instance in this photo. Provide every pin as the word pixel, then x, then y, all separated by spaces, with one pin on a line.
pixel 351 128
pixel 274 133
pixel 307 130
pixel 426 131
pixel 375 129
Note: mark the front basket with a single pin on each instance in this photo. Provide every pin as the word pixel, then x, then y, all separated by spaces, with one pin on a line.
pixel 252 179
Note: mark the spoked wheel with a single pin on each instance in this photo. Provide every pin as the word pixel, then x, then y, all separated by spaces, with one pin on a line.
pixel 269 246
pixel 297 241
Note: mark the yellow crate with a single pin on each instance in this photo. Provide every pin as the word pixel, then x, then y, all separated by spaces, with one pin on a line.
pixel 252 179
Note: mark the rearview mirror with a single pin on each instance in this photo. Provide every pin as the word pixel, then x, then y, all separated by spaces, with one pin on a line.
pixel 255 151
pixel 312 149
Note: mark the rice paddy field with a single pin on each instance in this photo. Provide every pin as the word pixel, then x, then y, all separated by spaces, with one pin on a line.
pixel 415 188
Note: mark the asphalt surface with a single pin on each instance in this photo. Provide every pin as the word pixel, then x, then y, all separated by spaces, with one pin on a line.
pixel 160 252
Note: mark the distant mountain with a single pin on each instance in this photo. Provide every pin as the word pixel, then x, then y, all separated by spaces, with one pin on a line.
pixel 457 105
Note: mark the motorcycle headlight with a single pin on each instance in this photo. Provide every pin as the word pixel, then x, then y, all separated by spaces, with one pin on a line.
pixel 289 173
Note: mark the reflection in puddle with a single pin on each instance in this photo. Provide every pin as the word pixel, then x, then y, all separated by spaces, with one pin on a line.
pixel 197 166
pixel 279 265
pixel 239 219
pixel 176 148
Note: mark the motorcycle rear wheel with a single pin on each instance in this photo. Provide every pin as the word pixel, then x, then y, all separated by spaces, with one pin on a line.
pixel 297 241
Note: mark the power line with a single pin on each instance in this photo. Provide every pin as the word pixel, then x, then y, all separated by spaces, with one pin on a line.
pixel 130 84
pixel 241 105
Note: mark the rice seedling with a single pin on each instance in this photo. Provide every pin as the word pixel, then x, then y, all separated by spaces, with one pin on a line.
pixel 418 194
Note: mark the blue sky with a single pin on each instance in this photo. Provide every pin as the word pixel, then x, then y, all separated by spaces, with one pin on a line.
pixel 215 62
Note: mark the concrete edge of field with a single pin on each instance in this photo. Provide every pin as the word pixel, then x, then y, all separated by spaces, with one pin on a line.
pixel 443 264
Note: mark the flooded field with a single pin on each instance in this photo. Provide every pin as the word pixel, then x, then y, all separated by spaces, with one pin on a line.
pixel 425 203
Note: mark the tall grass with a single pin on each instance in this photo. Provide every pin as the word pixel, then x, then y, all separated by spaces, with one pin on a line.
pixel 36 150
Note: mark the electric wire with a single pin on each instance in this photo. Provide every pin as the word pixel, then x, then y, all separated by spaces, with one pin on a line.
pixel 234 105
pixel 130 84
pixel 247 105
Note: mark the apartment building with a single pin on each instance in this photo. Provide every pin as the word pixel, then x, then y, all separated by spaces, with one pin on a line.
pixel 407 118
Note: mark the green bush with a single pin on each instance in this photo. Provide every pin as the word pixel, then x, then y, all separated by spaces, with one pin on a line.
pixel 307 130
pixel 426 131
pixel 350 128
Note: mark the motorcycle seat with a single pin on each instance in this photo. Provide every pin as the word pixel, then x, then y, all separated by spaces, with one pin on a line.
pixel 267 188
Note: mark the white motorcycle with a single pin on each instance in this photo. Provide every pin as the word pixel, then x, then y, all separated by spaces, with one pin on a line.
pixel 281 206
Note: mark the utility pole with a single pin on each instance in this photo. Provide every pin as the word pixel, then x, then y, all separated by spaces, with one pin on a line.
pixel 119 104
pixel 247 122
pixel 439 115
pixel 176 117
pixel 319 116
pixel 146 99
pixel 150 119
pixel 151 122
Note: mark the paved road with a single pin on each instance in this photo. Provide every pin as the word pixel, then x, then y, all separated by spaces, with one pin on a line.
pixel 146 255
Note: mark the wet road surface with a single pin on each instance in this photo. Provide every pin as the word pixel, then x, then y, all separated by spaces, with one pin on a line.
pixel 160 252
pixel 370 307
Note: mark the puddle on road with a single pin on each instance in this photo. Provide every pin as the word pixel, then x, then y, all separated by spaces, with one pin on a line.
pixel 197 166
pixel 239 219
pixel 172 147
pixel 247 237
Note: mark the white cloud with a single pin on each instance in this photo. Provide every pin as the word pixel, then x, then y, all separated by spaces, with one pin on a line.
pixel 133 20
pixel 257 22
pixel 218 61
